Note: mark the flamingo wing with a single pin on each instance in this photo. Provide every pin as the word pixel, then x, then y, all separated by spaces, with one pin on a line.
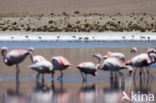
pixel 42 66
pixel 88 65
pixel 112 64
pixel 61 60
pixel 16 56
pixel 38 58
pixel 140 60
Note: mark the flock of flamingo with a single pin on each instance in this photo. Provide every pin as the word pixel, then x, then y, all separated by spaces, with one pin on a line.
pixel 113 62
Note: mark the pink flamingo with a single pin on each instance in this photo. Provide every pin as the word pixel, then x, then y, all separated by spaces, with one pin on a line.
pixel 40 64
pixel 115 54
pixel 14 57
pixel 114 64
pixel 143 59
pixel 89 67
pixel 133 51
pixel 60 63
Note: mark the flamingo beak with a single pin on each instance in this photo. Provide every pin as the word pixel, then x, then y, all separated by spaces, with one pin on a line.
pixel 130 72
pixel 104 57
pixel 93 55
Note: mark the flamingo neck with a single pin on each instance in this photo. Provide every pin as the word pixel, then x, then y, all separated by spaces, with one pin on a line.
pixel 31 57
pixel 133 54
pixel 5 59
pixel 150 57
pixel 98 65
pixel 99 60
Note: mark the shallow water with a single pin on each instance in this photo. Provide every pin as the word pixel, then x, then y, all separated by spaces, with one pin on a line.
pixel 70 44
pixel 71 89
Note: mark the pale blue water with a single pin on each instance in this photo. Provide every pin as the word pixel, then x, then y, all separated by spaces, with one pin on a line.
pixel 66 44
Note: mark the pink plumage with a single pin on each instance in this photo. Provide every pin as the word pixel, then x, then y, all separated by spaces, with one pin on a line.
pixel 60 63
pixel 61 60
pixel 40 64
pixel 14 57
pixel 114 64
pixel 140 60
pixel 87 68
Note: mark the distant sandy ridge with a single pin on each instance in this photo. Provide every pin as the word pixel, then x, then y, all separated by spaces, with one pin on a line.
pixel 84 6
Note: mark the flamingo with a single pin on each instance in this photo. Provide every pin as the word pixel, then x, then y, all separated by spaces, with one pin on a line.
pixel 114 64
pixel 143 59
pixel 89 67
pixel 40 64
pixel 14 57
pixel 60 63
pixel 115 54
pixel 133 51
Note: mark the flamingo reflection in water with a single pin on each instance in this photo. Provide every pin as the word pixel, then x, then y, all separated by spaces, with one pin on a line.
pixel 45 94
pixel 117 85
pixel 41 94
pixel 14 96
pixel 61 95
pixel 142 88
pixel 89 94
pixel 143 83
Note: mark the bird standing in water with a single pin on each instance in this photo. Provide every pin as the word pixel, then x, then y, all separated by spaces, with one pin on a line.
pixel 40 64
pixel 14 57
pixel 89 67
pixel 60 63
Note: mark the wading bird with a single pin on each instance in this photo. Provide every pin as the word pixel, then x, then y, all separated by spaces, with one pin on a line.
pixel 114 64
pixel 40 64
pixel 142 60
pixel 60 63
pixel 14 57
pixel 133 51
pixel 89 67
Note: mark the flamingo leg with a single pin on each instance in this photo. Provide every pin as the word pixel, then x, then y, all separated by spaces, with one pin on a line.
pixel 135 73
pixel 60 77
pixel 52 75
pixel 111 73
pixel 42 78
pixel 17 72
pixel 86 77
pixel 82 75
pixel 37 76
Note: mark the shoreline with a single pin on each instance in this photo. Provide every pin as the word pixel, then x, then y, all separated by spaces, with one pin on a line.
pixel 81 36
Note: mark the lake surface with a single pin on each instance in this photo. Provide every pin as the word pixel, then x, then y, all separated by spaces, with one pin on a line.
pixel 82 44
pixel 99 89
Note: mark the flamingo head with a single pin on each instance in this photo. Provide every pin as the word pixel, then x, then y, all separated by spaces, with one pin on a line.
pixel 130 69
pixel 31 49
pixel 153 57
pixel 134 50
pixel 98 56
pixel 4 50
pixel 151 50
